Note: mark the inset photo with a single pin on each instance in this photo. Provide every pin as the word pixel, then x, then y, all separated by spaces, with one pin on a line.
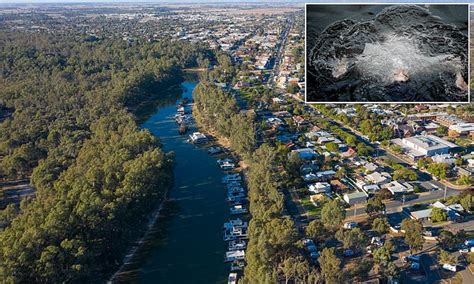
pixel 398 53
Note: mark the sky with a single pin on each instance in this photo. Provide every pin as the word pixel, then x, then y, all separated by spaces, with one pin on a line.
pixel 230 1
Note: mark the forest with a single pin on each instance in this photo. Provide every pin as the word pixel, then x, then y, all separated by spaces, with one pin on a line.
pixel 97 175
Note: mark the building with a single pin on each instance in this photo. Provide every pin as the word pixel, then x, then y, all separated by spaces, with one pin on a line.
pixel 398 188
pixel 355 198
pixel 319 187
pixel 462 129
pixel 425 146
pixel 422 215
pixel 378 178
pixel 305 153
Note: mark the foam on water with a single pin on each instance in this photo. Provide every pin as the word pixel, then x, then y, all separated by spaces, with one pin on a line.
pixel 403 54
pixel 386 60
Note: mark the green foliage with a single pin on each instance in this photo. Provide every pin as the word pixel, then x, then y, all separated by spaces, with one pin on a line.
pixel 315 230
pixel 441 131
pixel 97 175
pixel 332 215
pixel 293 88
pixel 438 215
pixel 218 110
pixel 375 206
pixel 380 225
pixel 272 236
pixel 405 174
pixel 413 233
pixel 448 240
pixel 330 266
pixel 332 147
pixel 351 239
pixel 439 170
pixel 445 257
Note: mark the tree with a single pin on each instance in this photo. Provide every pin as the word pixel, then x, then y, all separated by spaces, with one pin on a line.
pixel 467 202
pixel 332 147
pixel 315 230
pixel 293 88
pixel 442 131
pixel 363 150
pixel 382 255
pixel 350 140
pixel 438 215
pixel 351 239
pixel 380 225
pixel 446 258
pixel 296 268
pixel 333 214
pixel 330 266
pixel 375 206
pixel 413 233
pixel 439 170
pixel 447 240
pixel 341 172
pixel 362 269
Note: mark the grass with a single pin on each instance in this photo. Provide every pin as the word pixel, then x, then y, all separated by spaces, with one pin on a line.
pixel 310 209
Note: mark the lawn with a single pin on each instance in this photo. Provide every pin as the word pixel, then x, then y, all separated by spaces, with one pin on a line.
pixel 310 209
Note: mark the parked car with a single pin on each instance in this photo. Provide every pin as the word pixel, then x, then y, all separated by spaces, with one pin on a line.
pixel 350 225
pixel 463 250
pixel 449 267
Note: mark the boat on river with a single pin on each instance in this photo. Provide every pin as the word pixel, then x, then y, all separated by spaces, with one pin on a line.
pixel 238 209
pixel 215 150
pixel 232 278
pixel 237 244
pixel 237 265
pixel 234 255
pixel 198 138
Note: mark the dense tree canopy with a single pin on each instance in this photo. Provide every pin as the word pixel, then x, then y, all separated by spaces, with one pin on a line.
pixel 97 175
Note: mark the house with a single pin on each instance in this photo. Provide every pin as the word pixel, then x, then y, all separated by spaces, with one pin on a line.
pixel 378 178
pixel 305 153
pixel 319 187
pixel 355 198
pixel 465 172
pixel 421 215
pixel 398 188
pixel 371 167
pixel 452 210
pixel 300 121
pixel 319 176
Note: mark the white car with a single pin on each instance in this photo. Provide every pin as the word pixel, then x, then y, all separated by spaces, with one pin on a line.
pixel 449 267
pixel 350 225
pixel 463 250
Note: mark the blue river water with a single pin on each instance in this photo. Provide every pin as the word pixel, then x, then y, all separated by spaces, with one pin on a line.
pixel 191 248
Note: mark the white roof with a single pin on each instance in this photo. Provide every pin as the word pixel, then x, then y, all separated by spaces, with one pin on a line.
pixel 462 127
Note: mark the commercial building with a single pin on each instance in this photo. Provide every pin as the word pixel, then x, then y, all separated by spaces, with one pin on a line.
pixel 425 146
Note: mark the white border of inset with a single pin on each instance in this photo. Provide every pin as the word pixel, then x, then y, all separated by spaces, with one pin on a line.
pixel 388 4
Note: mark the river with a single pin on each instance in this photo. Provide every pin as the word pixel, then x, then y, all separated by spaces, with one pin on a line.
pixel 189 247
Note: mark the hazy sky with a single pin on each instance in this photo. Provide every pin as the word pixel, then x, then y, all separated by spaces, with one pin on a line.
pixel 230 1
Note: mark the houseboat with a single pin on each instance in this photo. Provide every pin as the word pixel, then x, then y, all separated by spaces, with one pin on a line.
pixel 238 209
pixel 198 138
pixel 237 265
pixel 231 177
pixel 237 245
pixel 215 150
pixel 226 166
pixel 234 255
pixel 232 278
